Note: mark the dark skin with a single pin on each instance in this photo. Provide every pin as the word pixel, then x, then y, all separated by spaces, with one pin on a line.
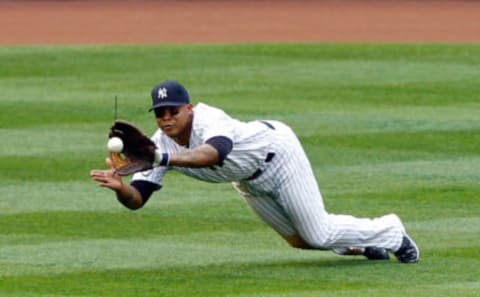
pixel 175 122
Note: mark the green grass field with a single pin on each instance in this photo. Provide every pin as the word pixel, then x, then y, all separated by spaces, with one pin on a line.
pixel 388 128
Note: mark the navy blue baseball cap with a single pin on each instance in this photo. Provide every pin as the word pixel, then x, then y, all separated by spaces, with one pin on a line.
pixel 169 93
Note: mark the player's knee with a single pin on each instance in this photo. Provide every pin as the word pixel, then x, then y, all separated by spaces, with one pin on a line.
pixel 297 242
pixel 319 243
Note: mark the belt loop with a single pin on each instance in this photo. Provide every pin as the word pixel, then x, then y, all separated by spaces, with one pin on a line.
pixel 259 171
pixel 255 175
pixel 269 125
pixel 269 157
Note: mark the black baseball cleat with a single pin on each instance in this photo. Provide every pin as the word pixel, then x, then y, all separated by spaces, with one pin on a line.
pixel 408 251
pixel 376 253
pixel 371 253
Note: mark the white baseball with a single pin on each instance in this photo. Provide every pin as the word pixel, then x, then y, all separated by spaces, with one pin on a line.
pixel 115 145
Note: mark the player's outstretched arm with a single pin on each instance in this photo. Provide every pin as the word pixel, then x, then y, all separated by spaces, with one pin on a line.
pixel 201 156
pixel 126 194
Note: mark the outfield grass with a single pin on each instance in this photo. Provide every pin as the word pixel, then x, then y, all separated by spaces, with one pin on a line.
pixel 388 128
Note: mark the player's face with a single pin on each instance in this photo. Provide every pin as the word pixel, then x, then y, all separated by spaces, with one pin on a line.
pixel 175 121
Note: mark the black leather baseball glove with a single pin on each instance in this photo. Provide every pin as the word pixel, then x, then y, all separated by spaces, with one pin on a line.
pixel 138 152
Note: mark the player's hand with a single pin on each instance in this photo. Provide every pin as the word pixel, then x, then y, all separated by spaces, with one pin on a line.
pixel 137 152
pixel 107 178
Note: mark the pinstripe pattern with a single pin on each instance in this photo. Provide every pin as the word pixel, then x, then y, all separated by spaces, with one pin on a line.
pixel 251 146
pixel 286 195
pixel 266 208
pixel 290 189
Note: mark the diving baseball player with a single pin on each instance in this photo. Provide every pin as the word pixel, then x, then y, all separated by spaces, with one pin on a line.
pixel 266 164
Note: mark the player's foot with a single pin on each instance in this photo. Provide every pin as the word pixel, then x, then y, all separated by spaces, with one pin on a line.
pixel 376 253
pixel 371 253
pixel 408 251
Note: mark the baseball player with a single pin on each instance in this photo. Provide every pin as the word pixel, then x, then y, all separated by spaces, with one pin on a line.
pixel 268 167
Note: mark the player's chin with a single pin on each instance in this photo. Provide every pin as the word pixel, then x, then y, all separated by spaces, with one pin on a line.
pixel 167 128
pixel 170 131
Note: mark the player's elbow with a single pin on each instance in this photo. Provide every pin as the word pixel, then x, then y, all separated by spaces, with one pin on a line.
pixel 132 204
pixel 134 207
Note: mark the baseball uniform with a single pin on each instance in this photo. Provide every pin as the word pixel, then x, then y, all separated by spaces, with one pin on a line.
pixel 268 167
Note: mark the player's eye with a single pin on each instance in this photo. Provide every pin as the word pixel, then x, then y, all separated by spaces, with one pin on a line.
pixel 174 110
pixel 160 112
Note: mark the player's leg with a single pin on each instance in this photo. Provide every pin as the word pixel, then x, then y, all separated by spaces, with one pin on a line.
pixel 299 196
pixel 272 214
pixel 321 230
pixel 303 204
pixel 301 200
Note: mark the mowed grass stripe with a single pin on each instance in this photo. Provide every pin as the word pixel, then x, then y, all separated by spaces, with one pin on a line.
pixel 365 119
pixel 450 171
pixel 452 290
pixel 165 251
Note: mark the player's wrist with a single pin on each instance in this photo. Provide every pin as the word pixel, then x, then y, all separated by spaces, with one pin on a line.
pixel 121 189
pixel 161 159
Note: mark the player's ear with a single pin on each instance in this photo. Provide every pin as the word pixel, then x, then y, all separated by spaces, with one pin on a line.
pixel 189 108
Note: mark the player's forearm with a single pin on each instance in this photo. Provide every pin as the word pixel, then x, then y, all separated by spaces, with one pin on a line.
pixel 129 197
pixel 202 156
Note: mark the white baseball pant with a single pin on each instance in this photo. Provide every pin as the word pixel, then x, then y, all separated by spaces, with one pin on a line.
pixel 287 197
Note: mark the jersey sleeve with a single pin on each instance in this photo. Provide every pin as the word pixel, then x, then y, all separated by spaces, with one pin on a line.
pixel 222 144
pixel 145 189
pixel 156 174
pixel 210 122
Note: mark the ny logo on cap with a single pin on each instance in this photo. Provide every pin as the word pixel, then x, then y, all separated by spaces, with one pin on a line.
pixel 162 93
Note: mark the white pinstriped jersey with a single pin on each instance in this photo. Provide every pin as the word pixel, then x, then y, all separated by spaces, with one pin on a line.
pixel 251 145
pixel 286 194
